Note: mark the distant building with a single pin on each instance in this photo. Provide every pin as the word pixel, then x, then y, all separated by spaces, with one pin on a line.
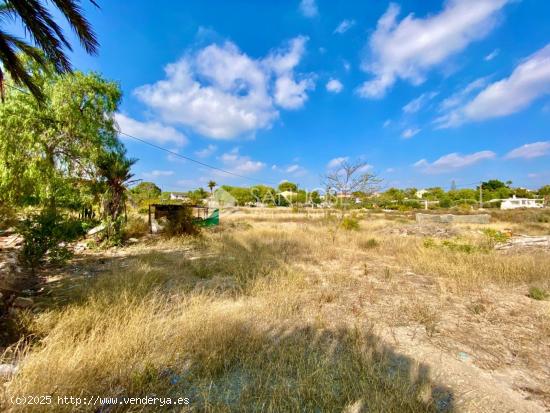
pixel 513 203
pixel 288 195
pixel 179 196
pixel 420 193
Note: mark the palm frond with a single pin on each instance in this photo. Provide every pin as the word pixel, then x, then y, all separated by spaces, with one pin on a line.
pixel 8 55
pixel 43 30
pixel 73 12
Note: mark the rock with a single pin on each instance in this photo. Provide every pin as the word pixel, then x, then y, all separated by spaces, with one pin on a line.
pixel 97 229
pixel 132 240
pixel 23 302
pixel 7 370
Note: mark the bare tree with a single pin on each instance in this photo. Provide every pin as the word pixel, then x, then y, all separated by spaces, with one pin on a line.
pixel 345 180
pixel 348 178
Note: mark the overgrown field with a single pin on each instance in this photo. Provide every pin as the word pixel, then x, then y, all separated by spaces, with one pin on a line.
pixel 291 312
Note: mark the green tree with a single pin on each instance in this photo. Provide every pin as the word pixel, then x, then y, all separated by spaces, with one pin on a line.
pixel 544 191
pixel 211 185
pixel 494 184
pixel 288 186
pixel 46 34
pixel 49 152
pixel 115 171
pixel 145 190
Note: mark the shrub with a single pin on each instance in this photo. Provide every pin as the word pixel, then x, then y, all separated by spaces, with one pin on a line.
pixel 136 227
pixel 350 223
pixel 537 293
pixel 182 223
pixel 456 246
pixel 369 244
pixel 494 236
pixel 445 203
pixel 44 235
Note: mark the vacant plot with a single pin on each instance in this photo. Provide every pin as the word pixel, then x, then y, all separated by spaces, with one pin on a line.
pixel 288 311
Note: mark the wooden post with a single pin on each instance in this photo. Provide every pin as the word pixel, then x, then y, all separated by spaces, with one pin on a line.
pixel 150 224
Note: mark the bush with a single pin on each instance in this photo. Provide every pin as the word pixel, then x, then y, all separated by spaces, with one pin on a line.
pixel 350 223
pixel 445 203
pixel 537 293
pixel 494 236
pixel 44 235
pixel 182 223
pixel 369 244
pixel 136 227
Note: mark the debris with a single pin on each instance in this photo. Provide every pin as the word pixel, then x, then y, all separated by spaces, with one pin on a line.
pixel 97 229
pixel 462 356
pixel 132 240
pixel 23 302
pixel 525 241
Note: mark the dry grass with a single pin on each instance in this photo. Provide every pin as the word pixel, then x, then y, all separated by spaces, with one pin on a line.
pixel 256 316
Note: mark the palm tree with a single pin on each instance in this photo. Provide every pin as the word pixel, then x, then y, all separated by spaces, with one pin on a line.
pixel 46 34
pixel 115 171
pixel 211 185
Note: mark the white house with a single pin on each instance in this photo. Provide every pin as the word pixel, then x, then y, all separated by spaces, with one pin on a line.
pixel 513 203
pixel 178 196
pixel 420 193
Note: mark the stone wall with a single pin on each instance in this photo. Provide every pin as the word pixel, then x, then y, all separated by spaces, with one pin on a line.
pixel 453 219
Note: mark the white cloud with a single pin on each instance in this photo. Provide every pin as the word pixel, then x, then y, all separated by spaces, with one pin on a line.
pixel 408 49
pixel 410 132
pixel 365 168
pixel 347 66
pixel 222 93
pixel 157 173
pixel 336 162
pixel 290 94
pixel 309 8
pixel 529 81
pixel 452 162
pixel 462 95
pixel 530 150
pixel 386 123
pixel 294 169
pixel 150 131
pixel 334 86
pixel 206 152
pixel 416 104
pixel 240 164
pixel 344 26
pixel 492 55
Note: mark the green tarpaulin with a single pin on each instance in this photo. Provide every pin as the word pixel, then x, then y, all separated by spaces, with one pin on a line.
pixel 212 220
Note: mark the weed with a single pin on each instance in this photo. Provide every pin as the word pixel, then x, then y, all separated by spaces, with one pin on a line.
pixel 369 244
pixel 537 293
pixel 350 223
pixel 426 316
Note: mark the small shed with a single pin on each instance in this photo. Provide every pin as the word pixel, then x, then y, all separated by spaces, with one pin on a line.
pixel 170 212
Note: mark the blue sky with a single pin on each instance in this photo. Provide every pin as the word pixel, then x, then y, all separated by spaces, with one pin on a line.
pixel 425 91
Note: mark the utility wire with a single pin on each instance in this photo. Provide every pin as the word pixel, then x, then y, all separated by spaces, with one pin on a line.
pixel 193 160
pixel 187 158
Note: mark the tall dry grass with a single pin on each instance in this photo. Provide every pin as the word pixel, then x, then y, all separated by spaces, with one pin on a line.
pixel 171 324
pixel 231 320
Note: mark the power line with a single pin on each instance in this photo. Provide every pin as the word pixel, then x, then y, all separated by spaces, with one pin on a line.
pixel 193 160
pixel 120 132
